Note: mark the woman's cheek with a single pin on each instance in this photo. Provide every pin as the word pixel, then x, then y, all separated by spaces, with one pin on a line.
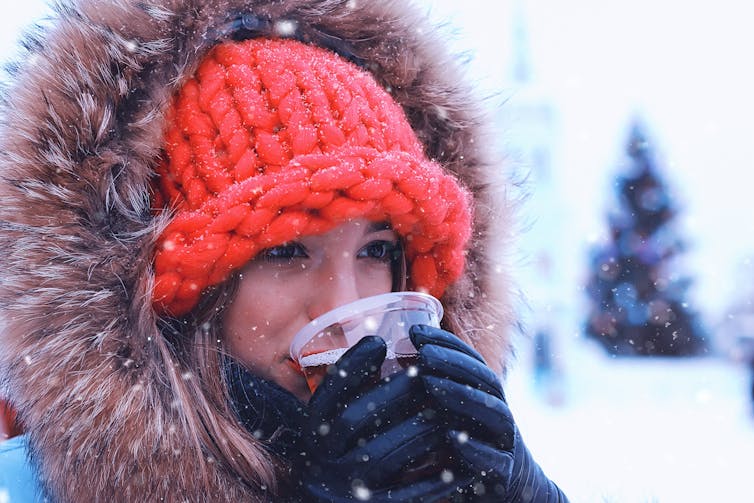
pixel 375 278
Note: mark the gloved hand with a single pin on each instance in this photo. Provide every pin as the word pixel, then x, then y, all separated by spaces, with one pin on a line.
pixel 366 436
pixel 471 407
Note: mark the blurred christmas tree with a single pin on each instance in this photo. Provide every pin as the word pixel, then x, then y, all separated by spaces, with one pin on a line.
pixel 637 299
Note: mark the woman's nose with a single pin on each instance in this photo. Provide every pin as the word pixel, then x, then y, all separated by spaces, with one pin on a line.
pixel 336 286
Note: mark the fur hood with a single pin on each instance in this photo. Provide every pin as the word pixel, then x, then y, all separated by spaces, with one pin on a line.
pixel 80 132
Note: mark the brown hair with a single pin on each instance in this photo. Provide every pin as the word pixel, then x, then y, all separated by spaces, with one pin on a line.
pixel 198 346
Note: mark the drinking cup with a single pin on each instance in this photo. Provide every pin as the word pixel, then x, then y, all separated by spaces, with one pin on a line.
pixel 322 341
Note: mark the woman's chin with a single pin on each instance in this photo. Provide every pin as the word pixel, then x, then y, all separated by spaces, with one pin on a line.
pixel 293 380
pixel 300 391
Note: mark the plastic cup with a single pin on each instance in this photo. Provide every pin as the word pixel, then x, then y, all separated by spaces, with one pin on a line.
pixel 322 341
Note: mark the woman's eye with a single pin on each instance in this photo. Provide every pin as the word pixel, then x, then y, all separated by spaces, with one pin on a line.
pixel 379 250
pixel 284 253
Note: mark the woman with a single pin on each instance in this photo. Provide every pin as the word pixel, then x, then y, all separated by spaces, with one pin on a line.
pixel 187 183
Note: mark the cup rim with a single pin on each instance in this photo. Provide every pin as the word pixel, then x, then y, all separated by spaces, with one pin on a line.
pixel 358 306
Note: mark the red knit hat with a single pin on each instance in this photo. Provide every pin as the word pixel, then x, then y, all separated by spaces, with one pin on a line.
pixel 274 139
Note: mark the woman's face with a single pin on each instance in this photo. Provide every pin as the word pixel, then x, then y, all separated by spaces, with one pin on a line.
pixel 287 286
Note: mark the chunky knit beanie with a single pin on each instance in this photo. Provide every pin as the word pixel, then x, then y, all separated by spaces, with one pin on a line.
pixel 273 139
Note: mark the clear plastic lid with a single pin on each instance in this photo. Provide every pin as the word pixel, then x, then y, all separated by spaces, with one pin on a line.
pixel 381 315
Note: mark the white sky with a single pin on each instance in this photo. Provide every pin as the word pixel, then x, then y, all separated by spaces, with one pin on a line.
pixel 684 67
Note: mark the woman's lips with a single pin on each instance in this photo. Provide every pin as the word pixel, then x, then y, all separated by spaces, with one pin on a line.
pixel 294 365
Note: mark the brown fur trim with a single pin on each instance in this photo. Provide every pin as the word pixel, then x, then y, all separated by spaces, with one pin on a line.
pixel 88 370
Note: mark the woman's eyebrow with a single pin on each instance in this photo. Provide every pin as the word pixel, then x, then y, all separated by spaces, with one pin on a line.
pixel 378 226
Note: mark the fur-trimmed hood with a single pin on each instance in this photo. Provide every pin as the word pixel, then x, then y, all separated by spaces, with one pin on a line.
pixel 80 134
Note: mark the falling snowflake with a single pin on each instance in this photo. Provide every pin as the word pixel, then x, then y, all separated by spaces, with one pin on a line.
pixel 285 28
pixel 360 491
pixel 446 476
pixel 370 323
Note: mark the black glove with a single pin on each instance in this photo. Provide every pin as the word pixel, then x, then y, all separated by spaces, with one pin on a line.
pixel 471 406
pixel 367 437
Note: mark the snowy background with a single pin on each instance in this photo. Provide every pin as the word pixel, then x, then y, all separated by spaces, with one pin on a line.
pixel 622 430
pixel 637 430
pixel 626 430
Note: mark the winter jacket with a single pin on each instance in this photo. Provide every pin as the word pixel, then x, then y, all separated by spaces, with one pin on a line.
pixel 81 122
pixel 19 480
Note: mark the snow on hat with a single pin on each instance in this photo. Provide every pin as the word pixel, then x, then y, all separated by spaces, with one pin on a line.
pixel 274 139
